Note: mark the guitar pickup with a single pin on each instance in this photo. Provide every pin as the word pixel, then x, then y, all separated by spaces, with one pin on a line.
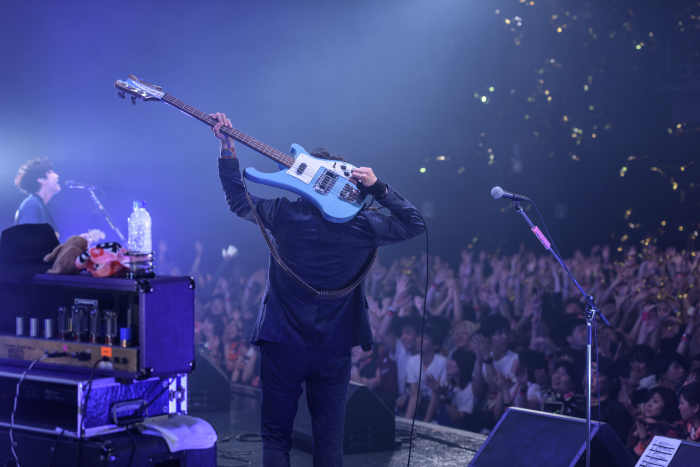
pixel 325 182
pixel 301 168
pixel 349 193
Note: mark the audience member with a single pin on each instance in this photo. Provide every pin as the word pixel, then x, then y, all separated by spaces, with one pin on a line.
pixel 518 306
pixel 669 370
pixel 605 407
pixel 453 402
pixel 689 407
pixel 434 366
pixel 657 417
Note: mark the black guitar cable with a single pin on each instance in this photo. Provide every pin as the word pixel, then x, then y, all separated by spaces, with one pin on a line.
pixel 83 411
pixel 14 406
pixel 422 328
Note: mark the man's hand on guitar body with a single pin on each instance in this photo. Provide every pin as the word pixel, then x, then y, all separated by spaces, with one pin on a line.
pixel 368 183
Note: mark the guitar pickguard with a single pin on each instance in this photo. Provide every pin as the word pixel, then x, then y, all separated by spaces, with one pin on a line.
pixel 325 176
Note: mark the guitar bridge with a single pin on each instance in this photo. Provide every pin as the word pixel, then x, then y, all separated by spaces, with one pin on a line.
pixel 349 193
pixel 325 182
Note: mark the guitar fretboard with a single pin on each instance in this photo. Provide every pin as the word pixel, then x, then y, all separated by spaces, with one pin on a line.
pixel 272 153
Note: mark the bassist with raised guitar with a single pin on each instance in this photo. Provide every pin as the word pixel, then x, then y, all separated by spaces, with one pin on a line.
pixel 304 335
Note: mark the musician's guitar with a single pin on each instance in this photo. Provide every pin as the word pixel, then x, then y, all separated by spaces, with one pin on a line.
pixel 324 183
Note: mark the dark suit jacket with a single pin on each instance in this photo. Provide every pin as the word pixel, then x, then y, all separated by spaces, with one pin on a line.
pixel 326 255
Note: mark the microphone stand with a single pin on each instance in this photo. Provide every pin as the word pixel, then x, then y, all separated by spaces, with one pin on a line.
pixel 591 310
pixel 105 213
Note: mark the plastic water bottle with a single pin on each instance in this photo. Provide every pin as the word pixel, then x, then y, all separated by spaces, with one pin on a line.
pixel 140 230
pixel 140 255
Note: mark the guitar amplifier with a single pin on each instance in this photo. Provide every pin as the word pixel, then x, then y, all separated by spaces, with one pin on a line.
pixel 52 402
pixel 129 328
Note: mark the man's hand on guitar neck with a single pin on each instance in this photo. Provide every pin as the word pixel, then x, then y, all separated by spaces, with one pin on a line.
pixel 226 141
pixel 363 177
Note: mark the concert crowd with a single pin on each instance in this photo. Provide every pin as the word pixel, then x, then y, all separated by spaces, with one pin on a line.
pixel 502 331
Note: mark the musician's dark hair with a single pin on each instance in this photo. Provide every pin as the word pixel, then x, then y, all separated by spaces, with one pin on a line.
pixel 26 179
pixel 322 153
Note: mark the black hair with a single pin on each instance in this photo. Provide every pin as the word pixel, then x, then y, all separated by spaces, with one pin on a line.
pixel 412 321
pixel 442 324
pixel 532 360
pixel 217 321
pixel 642 353
pixel 435 336
pixel 570 325
pixel 395 327
pixel 493 324
pixel 691 393
pixel 670 412
pixel 322 153
pixel 26 179
pixel 575 374
pixel 465 360
pixel 663 362
pixel 609 368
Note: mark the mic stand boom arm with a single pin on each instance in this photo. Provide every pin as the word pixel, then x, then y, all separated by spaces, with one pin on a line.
pixel 591 310
pixel 105 213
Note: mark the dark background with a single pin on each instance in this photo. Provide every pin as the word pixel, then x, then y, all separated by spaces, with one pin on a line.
pixel 398 85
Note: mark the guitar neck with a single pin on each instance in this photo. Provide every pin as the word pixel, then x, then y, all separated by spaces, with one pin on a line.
pixel 262 148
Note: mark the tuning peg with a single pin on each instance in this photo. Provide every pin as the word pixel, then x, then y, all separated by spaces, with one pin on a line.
pixel 121 95
pixel 133 100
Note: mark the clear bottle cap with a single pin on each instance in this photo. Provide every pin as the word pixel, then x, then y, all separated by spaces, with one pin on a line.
pixel 139 205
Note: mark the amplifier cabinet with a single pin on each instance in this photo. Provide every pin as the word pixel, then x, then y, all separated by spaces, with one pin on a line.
pixel 153 320
pixel 52 402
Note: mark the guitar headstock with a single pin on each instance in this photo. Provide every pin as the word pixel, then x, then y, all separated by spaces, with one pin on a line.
pixel 138 88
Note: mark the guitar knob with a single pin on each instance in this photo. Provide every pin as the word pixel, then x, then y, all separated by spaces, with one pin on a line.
pixel 347 173
pixel 121 95
pixel 133 100
pixel 343 166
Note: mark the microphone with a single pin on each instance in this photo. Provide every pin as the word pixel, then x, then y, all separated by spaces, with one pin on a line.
pixel 497 192
pixel 78 185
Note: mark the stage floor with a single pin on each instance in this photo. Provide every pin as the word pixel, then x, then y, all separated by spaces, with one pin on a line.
pixel 433 445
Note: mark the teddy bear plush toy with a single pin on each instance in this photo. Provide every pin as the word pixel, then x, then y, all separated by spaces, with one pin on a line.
pixel 65 254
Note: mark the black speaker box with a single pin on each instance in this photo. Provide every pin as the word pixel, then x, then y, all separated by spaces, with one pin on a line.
pixel 132 449
pixel 369 424
pixel 208 386
pixel 688 453
pixel 526 437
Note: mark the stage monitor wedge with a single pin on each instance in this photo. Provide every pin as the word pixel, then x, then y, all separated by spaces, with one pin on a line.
pixel 369 424
pixel 524 438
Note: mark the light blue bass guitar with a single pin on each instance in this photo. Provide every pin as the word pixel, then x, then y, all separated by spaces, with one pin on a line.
pixel 324 183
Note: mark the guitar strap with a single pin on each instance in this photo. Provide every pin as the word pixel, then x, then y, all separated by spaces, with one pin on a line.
pixel 312 292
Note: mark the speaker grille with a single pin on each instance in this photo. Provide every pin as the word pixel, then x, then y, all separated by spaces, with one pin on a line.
pixel 524 439
pixel 529 438
pixel 688 454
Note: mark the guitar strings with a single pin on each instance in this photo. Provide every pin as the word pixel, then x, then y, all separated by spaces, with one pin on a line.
pixel 259 146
